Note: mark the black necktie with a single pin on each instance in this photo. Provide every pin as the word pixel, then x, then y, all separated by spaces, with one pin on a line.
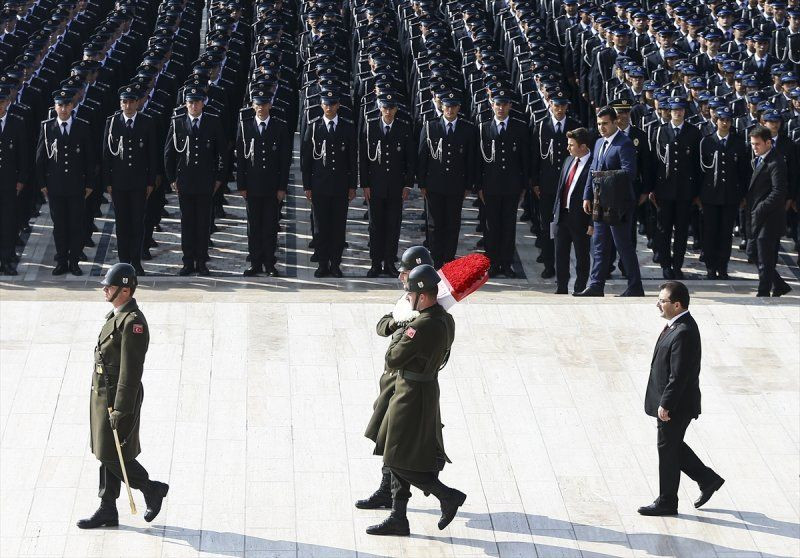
pixel 195 125
pixel 502 128
pixel 603 150
pixel 330 127
pixel 64 129
pixel 262 127
pixel 724 142
pixel 129 123
pixel 663 331
pixel 676 130
pixel 558 128
pixel 386 129
pixel 449 128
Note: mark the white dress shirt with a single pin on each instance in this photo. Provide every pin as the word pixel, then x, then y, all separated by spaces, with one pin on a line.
pixel 61 122
pixel 328 121
pixel 672 321
pixel 582 162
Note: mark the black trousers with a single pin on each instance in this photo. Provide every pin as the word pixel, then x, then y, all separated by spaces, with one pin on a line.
pixel 674 457
pixel 402 480
pixel 8 222
pixel 152 214
pixel 129 210
pixel 262 229
pixel 445 212
pixel 718 234
pixel 195 223
pixel 766 253
pixel 567 236
pixel 673 216
pixel 501 227
pixel 385 216
pixel 69 226
pixel 546 203
pixel 330 221
pixel 111 478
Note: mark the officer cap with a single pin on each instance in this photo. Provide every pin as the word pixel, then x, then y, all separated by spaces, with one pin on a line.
pixel 771 115
pixel 414 256
pixel 636 72
pixel 694 22
pixel 677 103
pixel 697 83
pixel 778 69
pixel 422 278
pixel 387 99
pixel 128 92
pixel 450 99
pixel 794 13
pixel 750 81
pixel 717 102
pixel 765 105
pixel 795 93
pixel 194 93
pixel 689 70
pixel 502 96
pixel 120 275
pixel 779 4
pixel 621 30
pixel 672 53
pixel 621 104
pixel 724 112
pixel 704 96
pixel 261 97
pixel 329 98
pixel 649 85
pixel 789 77
pixel 741 26
pixel 730 67
pixel 713 34
pixel 724 11
pixel 754 98
pixel 760 38
pixel 63 96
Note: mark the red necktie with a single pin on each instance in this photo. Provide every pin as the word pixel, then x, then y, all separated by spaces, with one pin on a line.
pixel 568 184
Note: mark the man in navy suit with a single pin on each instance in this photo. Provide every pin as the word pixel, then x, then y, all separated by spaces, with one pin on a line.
pixel 612 151
pixel 571 226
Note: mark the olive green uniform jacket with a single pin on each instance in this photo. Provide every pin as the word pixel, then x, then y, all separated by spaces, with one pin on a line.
pixel 410 434
pixel 386 327
pixel 119 363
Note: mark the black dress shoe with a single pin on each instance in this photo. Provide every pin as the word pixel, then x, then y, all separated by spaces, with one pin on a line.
pixel 186 270
pixel 707 492
pixel 480 243
pixel 509 272
pixel 252 271
pixel 271 271
pixel 526 216
pixel 678 274
pixel 539 259
pixel 83 257
pixel 314 258
pixel 321 271
pixel 158 228
pixel 657 508
pixel 561 291
pixel 650 243
pixel 711 274
pixel 336 271
pixel 390 270
pixel 60 269
pixel 781 290
pixel 11 270
pixel 667 273
pixel 202 270
pixel 75 269
pixel 105 516
pixel 494 270
pixel 548 273
pixel 378 500
pixel 154 498
pixel 637 291
pixel 373 272
pixel 312 243
pixel 589 291
pixel 449 507
pixel 723 274
pixel 391 526
pixel 139 270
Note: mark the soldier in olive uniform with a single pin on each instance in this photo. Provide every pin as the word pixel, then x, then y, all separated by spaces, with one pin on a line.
pixel 263 157
pixel 725 161
pixel 505 175
pixel 328 161
pixel 116 400
pixel 446 168
pixel 386 157
pixel 195 160
pixel 391 325
pixel 14 162
pixel 410 435
pixel 130 161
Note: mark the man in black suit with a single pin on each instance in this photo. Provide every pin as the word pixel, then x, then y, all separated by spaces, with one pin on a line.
pixel 15 165
pixel 130 162
pixel 549 145
pixel 571 225
pixel 263 158
pixel 766 200
pixel 505 154
pixel 328 161
pixel 65 164
pixel 387 161
pixel 446 168
pixel 194 162
pixel 673 397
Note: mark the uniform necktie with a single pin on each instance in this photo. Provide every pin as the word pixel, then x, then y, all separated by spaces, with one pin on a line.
pixel 386 129
pixel 331 127
pixel 676 130
pixel 724 142
pixel 195 125
pixel 64 129
pixel 262 127
pixel 558 128
pixel 449 128
pixel 129 123
pixel 502 128
pixel 568 184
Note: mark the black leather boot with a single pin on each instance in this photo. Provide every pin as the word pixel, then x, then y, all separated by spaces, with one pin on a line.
pixel 450 500
pixel 396 524
pixel 105 516
pixel 153 498
pixel 381 498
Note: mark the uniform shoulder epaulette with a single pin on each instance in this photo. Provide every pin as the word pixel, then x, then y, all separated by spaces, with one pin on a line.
pixel 78 119
pixel 46 120
pixel 520 120
pixel 112 116
pixel 315 119
pixel 344 119
pixel 18 117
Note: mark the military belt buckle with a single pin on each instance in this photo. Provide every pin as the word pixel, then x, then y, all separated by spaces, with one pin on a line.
pixel 98 369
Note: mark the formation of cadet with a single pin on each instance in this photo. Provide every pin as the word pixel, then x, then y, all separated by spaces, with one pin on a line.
pixel 455 97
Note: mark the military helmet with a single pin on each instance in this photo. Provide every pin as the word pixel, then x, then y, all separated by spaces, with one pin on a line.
pixel 414 256
pixel 422 278
pixel 120 275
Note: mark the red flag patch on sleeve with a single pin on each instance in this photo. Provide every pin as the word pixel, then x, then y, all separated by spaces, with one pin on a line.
pixel 411 332
pixel 138 328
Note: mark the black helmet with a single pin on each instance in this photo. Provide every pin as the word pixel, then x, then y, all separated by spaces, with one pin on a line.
pixel 120 275
pixel 422 278
pixel 414 256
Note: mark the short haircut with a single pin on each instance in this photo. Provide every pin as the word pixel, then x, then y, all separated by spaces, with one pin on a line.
pixel 580 135
pixel 607 111
pixel 678 292
pixel 761 132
